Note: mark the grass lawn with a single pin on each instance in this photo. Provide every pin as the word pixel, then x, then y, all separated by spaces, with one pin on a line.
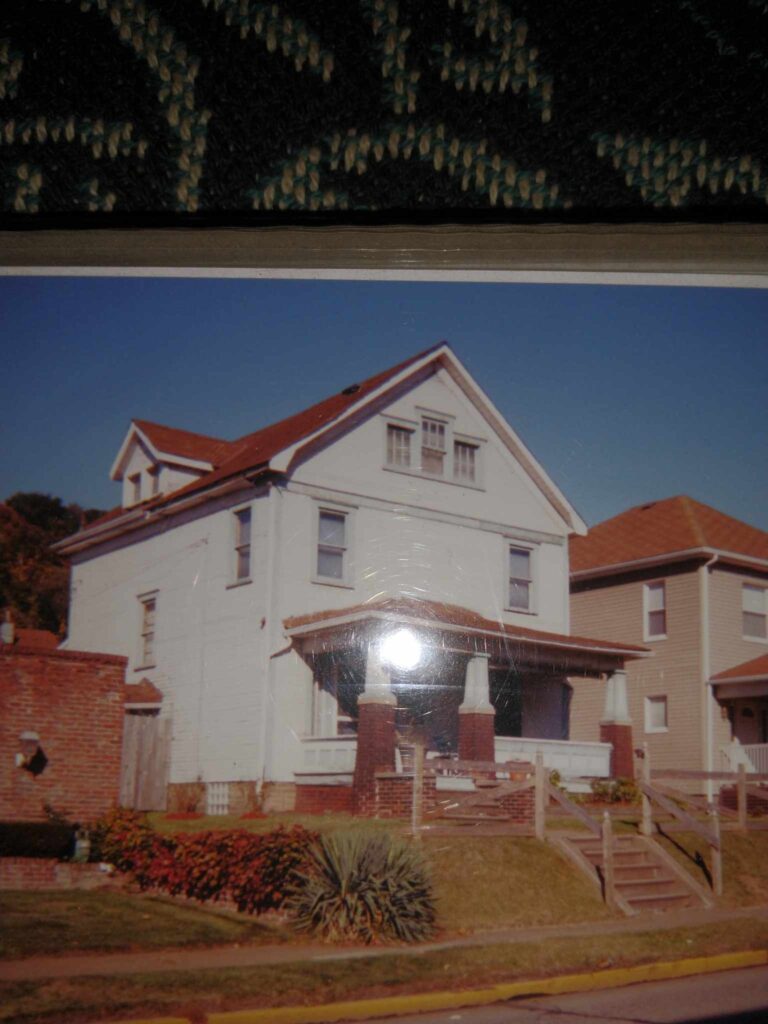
pixel 56 922
pixel 194 993
pixel 745 863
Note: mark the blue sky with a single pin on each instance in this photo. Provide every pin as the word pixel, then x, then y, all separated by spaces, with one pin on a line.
pixel 624 393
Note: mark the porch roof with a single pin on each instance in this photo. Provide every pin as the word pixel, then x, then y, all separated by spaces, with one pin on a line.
pixel 465 629
pixel 753 671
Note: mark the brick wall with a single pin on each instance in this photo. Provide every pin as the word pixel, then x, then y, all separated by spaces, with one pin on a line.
pixel 312 799
pixel 74 702
pixel 40 873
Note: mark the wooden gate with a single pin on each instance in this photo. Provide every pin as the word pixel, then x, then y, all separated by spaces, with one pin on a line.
pixel 144 767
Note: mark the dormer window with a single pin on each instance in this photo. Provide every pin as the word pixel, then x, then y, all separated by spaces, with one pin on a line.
pixel 154 480
pixel 135 485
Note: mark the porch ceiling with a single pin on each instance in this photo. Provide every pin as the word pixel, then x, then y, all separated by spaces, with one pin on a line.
pixel 451 627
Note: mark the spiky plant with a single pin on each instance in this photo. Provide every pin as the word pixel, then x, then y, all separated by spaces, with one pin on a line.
pixel 365 888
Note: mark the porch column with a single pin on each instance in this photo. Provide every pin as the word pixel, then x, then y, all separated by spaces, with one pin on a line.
pixel 476 714
pixel 616 726
pixel 375 732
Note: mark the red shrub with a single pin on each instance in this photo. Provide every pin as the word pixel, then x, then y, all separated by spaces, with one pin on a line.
pixel 251 870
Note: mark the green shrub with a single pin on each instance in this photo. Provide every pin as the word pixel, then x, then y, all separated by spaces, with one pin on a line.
pixel 365 888
pixel 615 791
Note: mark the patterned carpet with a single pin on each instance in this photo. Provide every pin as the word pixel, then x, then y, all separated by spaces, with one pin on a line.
pixel 122 110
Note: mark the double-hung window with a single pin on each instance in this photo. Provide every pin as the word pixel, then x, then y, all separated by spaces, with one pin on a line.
pixel 243 544
pixel 398 446
pixel 432 447
pixel 754 612
pixel 332 543
pixel 147 635
pixel 520 579
pixel 655 599
pixel 464 462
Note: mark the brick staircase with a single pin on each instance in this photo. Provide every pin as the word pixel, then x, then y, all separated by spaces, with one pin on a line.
pixel 646 878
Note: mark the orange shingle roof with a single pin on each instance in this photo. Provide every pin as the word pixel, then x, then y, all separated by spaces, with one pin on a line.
pixel 143 692
pixel 660 528
pixel 753 669
pixel 185 443
pixel 442 614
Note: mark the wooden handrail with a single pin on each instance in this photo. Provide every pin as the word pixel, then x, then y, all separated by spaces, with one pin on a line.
pixel 573 809
pixel 684 773
pixel 671 807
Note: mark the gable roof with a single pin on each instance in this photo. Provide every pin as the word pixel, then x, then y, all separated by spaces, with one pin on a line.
pixel 185 443
pixel 274 447
pixel 663 531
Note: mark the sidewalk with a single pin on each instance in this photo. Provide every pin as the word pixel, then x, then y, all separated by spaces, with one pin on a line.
pixel 83 964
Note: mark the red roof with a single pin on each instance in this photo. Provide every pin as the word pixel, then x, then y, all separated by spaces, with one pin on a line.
pixel 757 668
pixel 255 450
pixel 143 692
pixel 184 443
pixel 441 614
pixel 37 638
pixel 660 528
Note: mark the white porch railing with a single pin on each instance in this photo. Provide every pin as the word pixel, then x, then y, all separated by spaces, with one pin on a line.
pixel 571 758
pixel 329 754
pixel 335 755
pixel 754 756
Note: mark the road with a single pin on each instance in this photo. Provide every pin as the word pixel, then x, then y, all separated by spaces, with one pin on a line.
pixel 730 997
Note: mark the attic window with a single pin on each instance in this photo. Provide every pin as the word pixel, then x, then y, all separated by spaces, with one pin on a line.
pixel 154 480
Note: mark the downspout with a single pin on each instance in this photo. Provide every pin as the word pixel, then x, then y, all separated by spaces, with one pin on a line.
pixel 271 616
pixel 706 671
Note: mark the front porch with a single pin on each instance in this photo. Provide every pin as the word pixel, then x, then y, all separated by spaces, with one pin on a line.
pixel 743 692
pixel 396 672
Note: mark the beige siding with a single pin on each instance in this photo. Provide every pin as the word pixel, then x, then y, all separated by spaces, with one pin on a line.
pixel 729 648
pixel 615 612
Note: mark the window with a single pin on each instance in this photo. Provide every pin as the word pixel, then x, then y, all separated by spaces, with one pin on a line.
pixel 332 545
pixel 656 714
pixel 398 446
pixel 464 462
pixel 754 612
pixel 243 544
pixel 147 644
pixel 432 447
pixel 655 611
pixel 135 482
pixel 520 579
pixel 154 480
pixel 217 798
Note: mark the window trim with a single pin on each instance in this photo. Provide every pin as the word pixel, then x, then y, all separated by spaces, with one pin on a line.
pixel 513 544
pixel 452 438
pixel 236 580
pixel 649 701
pixel 346 580
pixel 145 599
pixel 648 636
pixel 745 636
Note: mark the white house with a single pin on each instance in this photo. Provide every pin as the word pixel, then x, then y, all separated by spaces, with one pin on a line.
pixel 391 555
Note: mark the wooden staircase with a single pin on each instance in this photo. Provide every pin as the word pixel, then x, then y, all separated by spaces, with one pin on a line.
pixel 646 878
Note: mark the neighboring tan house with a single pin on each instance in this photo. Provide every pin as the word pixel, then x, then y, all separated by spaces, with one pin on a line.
pixel 690 583
pixel 294 601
